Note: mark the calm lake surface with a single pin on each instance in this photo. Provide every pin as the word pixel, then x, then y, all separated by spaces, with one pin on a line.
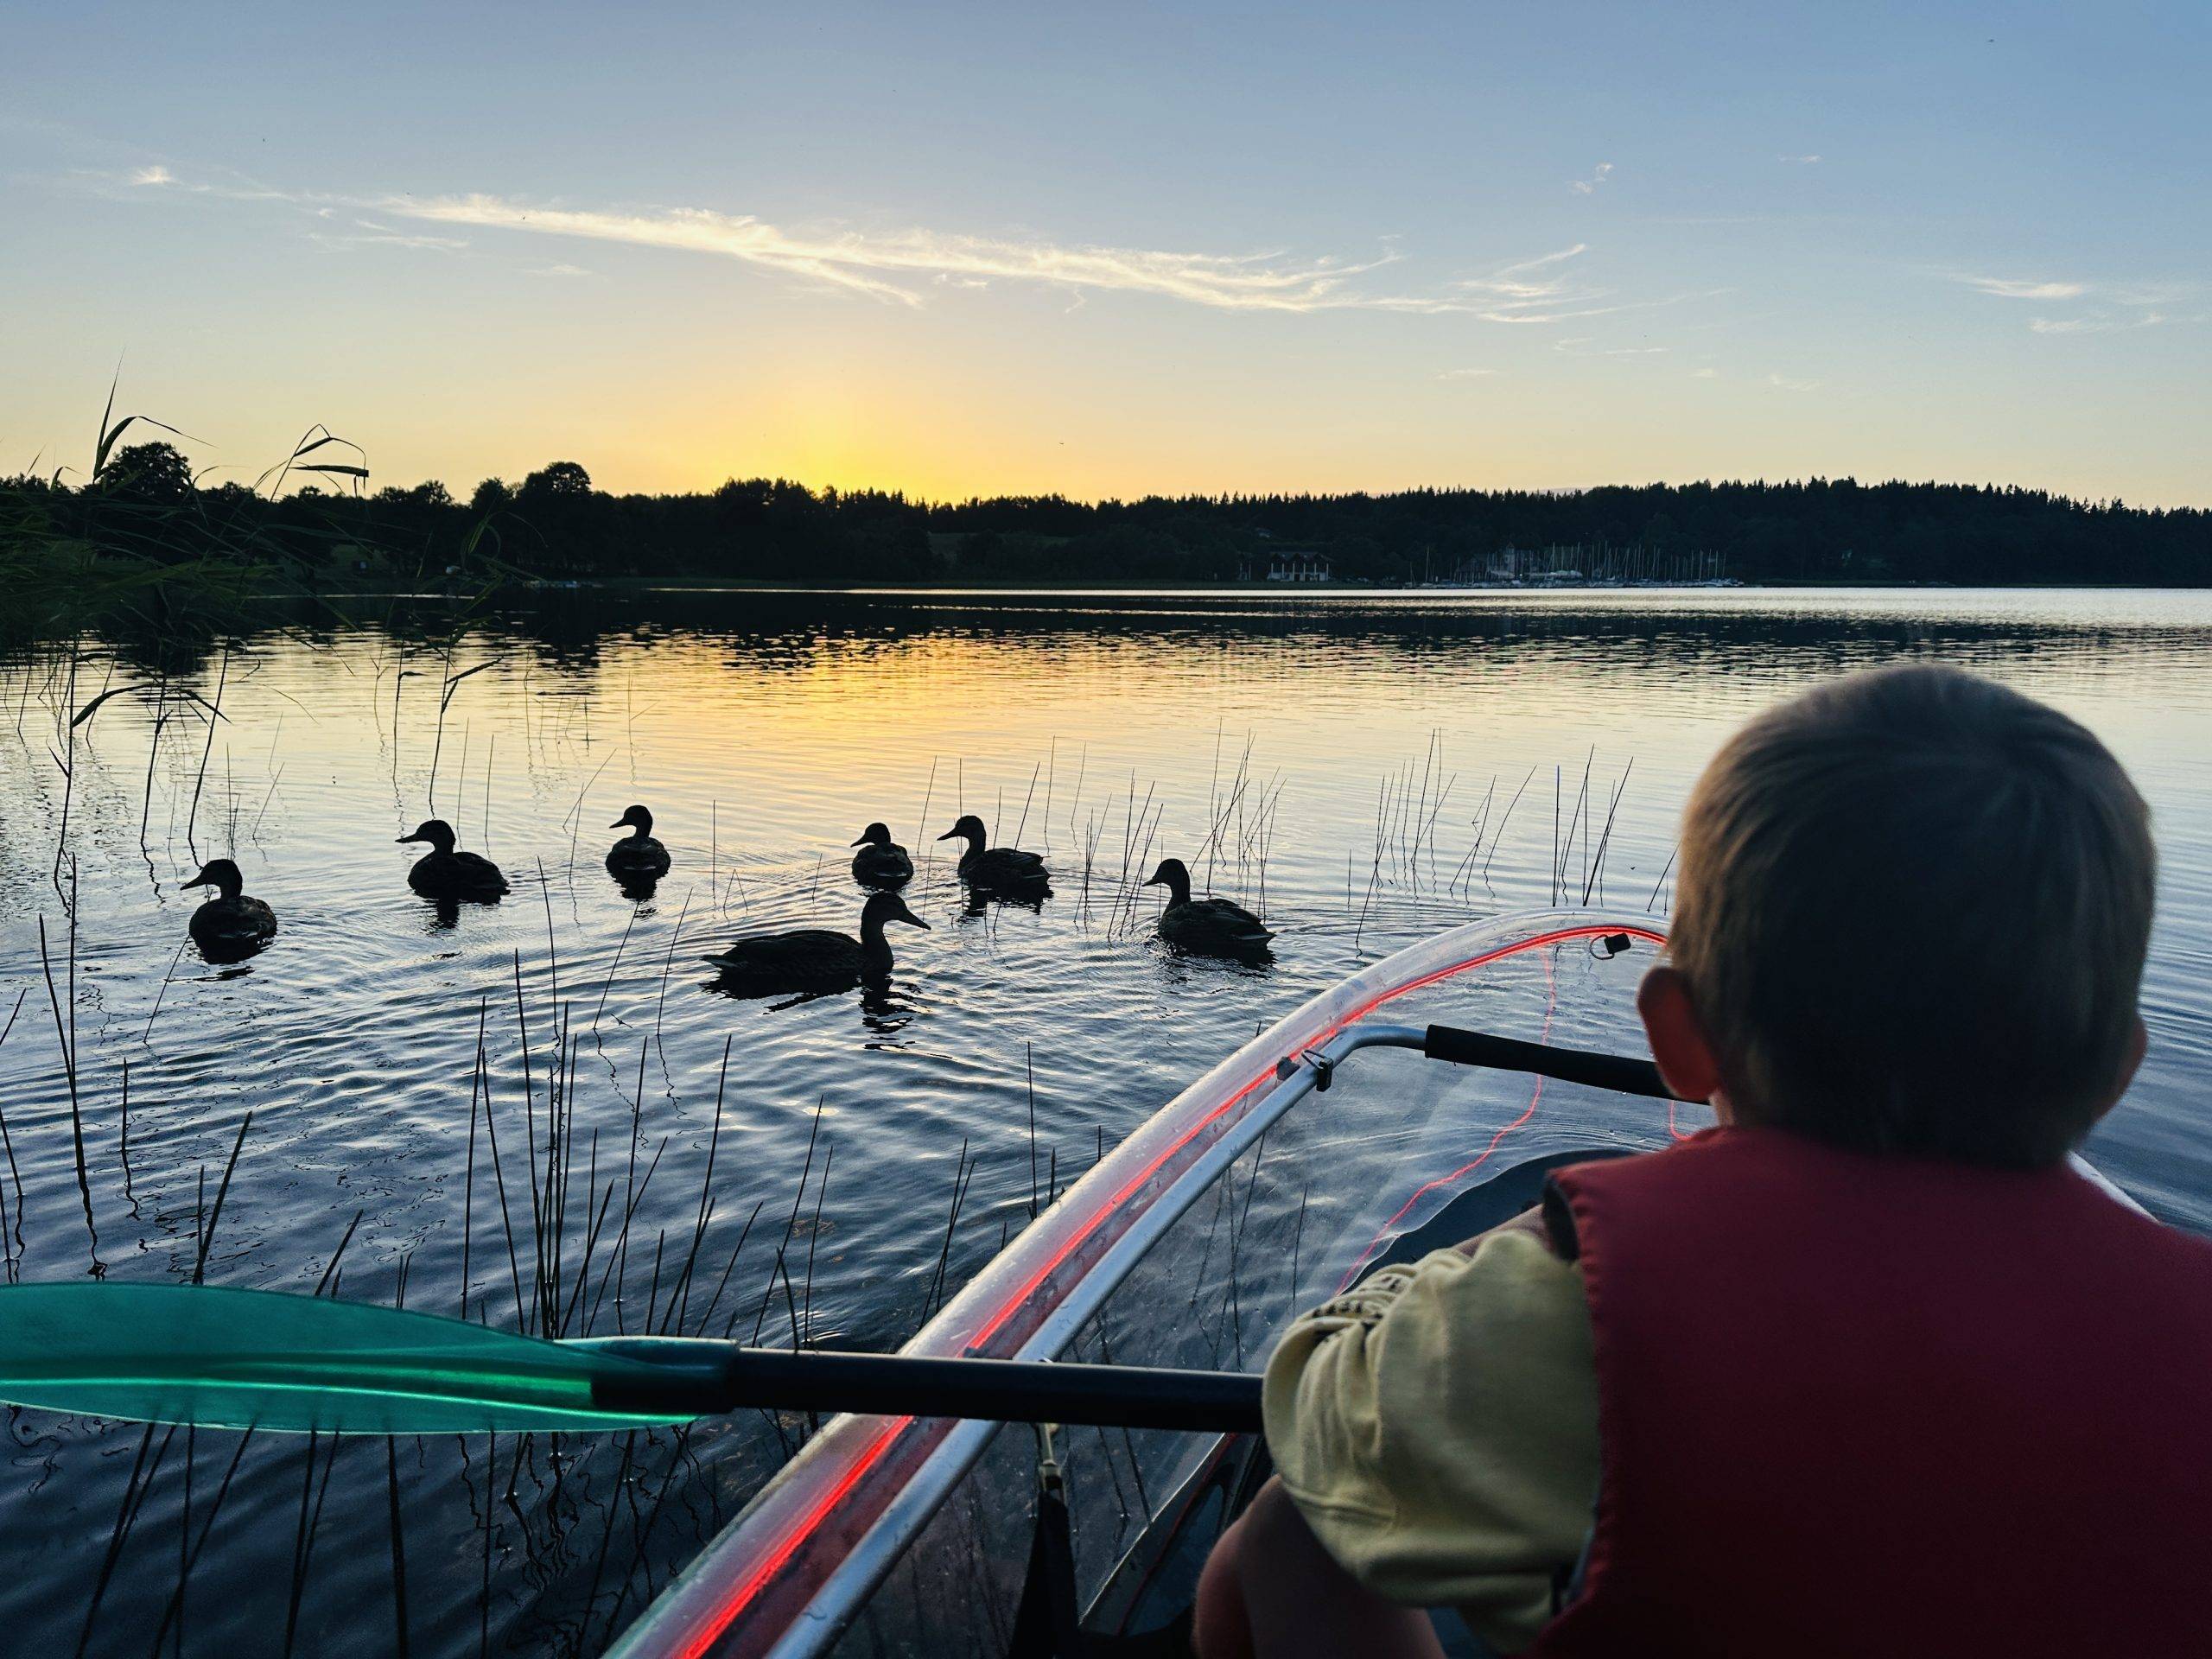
pixel 1365 769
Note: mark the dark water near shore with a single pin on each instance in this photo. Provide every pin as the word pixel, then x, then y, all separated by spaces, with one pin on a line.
pixel 1377 767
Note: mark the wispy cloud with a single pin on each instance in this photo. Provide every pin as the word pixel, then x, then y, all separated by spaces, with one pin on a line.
pixel 1526 280
pixel 157 175
pixel 2108 308
pixel 2011 288
pixel 1544 290
pixel 871 262
pixel 1538 290
pixel 1788 384
pixel 556 271
pixel 370 234
pixel 901 266
pixel 1589 186
pixel 1466 374
pixel 1799 161
pixel 2097 322
pixel 1705 374
pixel 1586 346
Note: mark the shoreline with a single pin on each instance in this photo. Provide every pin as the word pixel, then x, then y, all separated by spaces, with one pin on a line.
pixel 635 587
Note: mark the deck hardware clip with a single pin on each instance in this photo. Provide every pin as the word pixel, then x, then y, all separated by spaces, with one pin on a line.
pixel 1325 1069
pixel 1049 1479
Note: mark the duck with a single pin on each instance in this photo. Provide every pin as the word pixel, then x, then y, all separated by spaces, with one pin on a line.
pixel 231 923
pixel 814 958
pixel 637 856
pixel 443 873
pixel 997 869
pixel 881 862
pixel 1213 927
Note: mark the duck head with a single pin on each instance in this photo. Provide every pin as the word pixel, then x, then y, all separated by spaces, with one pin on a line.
pixel 437 831
pixel 1171 875
pixel 877 835
pixel 887 907
pixel 221 875
pixel 969 828
pixel 636 818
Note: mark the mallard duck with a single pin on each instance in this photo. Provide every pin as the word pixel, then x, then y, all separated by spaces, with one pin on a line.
pixel 997 869
pixel 229 924
pixel 881 862
pixel 443 873
pixel 1208 926
pixel 814 958
pixel 637 855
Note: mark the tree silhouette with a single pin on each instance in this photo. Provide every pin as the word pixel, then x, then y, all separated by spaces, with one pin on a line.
pixel 561 479
pixel 431 496
pixel 493 495
pixel 155 474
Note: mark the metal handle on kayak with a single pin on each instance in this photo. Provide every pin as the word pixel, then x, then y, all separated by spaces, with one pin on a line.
pixel 892 1385
pixel 1617 1072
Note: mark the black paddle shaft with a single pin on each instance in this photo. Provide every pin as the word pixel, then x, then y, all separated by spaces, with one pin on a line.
pixel 1031 1391
pixel 994 1390
pixel 1615 1072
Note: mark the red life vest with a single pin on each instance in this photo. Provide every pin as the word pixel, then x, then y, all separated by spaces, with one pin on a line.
pixel 1860 1406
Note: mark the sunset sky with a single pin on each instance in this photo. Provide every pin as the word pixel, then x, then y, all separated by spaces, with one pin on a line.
pixel 1117 249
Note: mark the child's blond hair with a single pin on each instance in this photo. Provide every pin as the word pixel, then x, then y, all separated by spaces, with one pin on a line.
pixel 1912 913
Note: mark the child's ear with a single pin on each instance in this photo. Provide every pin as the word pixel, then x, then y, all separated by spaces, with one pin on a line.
pixel 2136 1046
pixel 1678 1039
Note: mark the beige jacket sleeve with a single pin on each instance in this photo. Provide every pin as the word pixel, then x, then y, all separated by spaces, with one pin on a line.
pixel 1438 1428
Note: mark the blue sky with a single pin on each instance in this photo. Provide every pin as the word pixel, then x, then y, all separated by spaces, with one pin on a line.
pixel 1115 248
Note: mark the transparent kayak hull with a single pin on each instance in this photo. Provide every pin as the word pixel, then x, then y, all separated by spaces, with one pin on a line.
pixel 1276 1177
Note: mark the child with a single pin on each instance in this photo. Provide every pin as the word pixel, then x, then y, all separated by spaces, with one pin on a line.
pixel 1866 1370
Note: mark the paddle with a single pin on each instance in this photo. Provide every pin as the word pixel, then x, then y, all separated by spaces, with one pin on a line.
pixel 232 1359
pixel 238 1358
pixel 1616 1072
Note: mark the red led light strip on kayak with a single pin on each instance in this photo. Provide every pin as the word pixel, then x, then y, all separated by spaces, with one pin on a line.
pixel 804 1527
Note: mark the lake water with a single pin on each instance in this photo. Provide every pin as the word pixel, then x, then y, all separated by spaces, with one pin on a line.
pixel 1365 769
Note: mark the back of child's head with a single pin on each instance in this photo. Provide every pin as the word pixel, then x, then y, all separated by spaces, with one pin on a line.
pixel 1912 913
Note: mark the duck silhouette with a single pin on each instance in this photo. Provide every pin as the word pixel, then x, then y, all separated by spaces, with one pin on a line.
pixel 230 926
pixel 637 860
pixel 1210 927
pixel 880 861
pixel 1003 871
pixel 443 873
pixel 815 960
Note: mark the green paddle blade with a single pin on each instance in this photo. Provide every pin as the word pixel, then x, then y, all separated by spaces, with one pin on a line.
pixel 226 1358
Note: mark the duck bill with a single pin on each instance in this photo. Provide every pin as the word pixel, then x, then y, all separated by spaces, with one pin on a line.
pixel 910 919
pixel 202 879
pixel 864 842
pixel 950 834
pixel 400 840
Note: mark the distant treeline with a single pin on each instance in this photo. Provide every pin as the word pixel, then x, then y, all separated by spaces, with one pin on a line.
pixel 556 524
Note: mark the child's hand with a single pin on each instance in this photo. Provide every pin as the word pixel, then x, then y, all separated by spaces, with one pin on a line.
pixel 1529 1221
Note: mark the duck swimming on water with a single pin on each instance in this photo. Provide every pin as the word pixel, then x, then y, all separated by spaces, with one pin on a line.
pixel 814 958
pixel 1213 927
pixel 231 924
pixel 637 856
pixel 997 869
pixel 443 873
pixel 881 862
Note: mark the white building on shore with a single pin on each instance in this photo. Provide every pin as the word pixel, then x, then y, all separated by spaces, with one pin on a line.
pixel 1288 564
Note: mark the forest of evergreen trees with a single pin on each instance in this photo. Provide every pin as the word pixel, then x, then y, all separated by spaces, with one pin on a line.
pixel 556 524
